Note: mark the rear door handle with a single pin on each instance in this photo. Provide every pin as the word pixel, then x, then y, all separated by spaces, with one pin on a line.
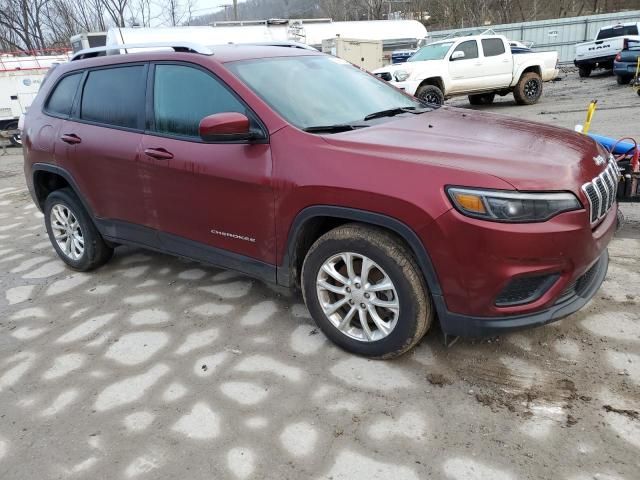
pixel 158 153
pixel 71 138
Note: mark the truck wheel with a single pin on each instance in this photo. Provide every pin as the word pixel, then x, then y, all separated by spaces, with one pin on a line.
pixel 366 292
pixel 72 233
pixel 584 71
pixel 430 94
pixel 623 80
pixel 16 140
pixel 482 99
pixel 528 89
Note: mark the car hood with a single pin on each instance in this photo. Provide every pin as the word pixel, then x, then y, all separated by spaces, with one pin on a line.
pixel 529 156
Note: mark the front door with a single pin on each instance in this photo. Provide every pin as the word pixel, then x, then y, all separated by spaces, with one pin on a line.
pixel 465 70
pixel 215 200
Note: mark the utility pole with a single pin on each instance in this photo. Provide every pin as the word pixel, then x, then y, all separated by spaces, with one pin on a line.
pixel 235 10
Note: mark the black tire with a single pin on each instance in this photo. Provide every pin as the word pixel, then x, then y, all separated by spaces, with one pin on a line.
pixel 16 140
pixel 415 314
pixel 482 99
pixel 584 71
pixel 430 94
pixel 528 90
pixel 96 251
pixel 623 79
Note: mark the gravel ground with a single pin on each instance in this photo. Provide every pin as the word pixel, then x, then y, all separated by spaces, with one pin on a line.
pixel 154 367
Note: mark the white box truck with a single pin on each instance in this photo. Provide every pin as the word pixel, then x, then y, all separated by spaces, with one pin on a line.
pixel 20 79
pixel 366 54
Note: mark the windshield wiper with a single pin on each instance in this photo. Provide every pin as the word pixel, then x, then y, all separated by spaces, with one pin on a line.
pixel 395 111
pixel 340 127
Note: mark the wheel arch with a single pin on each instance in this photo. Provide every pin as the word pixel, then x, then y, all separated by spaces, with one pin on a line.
pixel 435 81
pixel 531 68
pixel 312 222
pixel 47 178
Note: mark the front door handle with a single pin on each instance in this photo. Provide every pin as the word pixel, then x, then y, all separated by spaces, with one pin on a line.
pixel 158 153
pixel 71 138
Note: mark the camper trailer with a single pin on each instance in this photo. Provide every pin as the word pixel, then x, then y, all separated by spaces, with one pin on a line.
pixel 393 34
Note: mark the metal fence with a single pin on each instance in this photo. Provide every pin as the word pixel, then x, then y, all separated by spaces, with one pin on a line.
pixel 560 34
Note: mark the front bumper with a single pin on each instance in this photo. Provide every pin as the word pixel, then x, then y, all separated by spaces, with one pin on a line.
pixel 408 86
pixel 470 326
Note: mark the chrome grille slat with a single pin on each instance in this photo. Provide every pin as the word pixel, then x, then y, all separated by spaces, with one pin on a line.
pixel 601 191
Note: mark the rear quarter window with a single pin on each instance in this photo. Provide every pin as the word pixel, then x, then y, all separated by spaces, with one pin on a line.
pixel 115 96
pixel 61 98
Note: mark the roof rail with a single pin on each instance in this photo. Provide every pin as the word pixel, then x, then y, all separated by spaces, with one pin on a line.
pixel 283 43
pixel 116 49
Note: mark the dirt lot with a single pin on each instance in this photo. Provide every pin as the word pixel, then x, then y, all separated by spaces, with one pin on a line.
pixel 154 367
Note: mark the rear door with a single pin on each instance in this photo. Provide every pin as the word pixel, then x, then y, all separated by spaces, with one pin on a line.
pixel 465 72
pixel 103 140
pixel 214 200
pixel 497 63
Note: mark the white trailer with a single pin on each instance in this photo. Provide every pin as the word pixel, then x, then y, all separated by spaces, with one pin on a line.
pixel 393 33
pixel 20 79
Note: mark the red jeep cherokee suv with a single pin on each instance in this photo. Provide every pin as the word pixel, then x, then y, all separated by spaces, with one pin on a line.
pixel 300 169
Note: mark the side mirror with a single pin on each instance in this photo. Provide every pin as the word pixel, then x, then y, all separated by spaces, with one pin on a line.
pixel 457 55
pixel 225 127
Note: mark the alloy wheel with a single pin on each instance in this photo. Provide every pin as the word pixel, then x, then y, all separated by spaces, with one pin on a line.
pixel 67 232
pixel 358 297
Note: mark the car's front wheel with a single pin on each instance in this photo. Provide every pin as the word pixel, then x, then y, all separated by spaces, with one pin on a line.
pixel 72 233
pixel 431 95
pixel 365 291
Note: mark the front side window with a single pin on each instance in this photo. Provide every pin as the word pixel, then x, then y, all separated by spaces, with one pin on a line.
pixel 492 47
pixel 318 90
pixel 434 51
pixel 470 49
pixel 61 100
pixel 182 96
pixel 115 96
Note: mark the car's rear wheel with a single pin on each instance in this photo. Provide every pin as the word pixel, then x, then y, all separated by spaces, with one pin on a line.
pixel 482 99
pixel 366 292
pixel 528 90
pixel 72 233
pixel 430 94
pixel 584 72
pixel 623 79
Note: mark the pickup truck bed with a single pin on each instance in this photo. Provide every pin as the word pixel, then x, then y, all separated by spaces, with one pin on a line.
pixel 601 52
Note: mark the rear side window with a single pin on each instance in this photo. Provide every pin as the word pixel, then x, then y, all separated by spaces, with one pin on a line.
pixel 617 31
pixel 182 96
pixel 470 49
pixel 61 100
pixel 115 96
pixel 492 47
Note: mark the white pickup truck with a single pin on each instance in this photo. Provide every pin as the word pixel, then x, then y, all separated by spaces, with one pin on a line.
pixel 479 66
pixel 601 52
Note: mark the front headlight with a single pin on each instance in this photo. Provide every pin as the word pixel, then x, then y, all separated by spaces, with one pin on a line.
pixel 401 75
pixel 511 207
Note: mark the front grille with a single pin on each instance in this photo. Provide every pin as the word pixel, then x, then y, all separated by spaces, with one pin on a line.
pixel 601 191
pixel 384 76
pixel 523 290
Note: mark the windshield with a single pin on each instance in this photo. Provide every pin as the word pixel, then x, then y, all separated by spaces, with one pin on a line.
pixel 434 51
pixel 317 90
